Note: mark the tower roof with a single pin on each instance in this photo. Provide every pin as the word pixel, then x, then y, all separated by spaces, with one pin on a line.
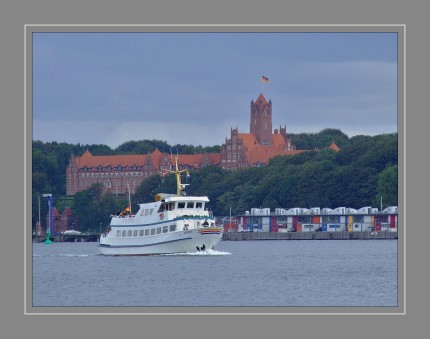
pixel 261 100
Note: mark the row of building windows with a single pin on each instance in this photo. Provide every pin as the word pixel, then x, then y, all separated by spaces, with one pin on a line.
pixel 113 168
pixel 234 156
pixel 234 146
pixel 109 184
pixel 145 233
pixel 111 174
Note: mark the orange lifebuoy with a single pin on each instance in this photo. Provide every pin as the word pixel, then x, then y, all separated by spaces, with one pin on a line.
pixel 161 216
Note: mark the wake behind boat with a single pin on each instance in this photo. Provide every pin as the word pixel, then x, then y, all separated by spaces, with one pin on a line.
pixel 173 223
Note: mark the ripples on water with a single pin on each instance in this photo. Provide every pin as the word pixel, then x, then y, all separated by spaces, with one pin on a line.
pixel 242 273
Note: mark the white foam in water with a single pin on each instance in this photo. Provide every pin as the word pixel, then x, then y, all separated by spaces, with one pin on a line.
pixel 202 253
pixel 74 255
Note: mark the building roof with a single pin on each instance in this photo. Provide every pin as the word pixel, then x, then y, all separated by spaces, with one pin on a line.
pixel 278 141
pixel 89 160
pixel 196 160
pixel 192 160
pixel 334 147
pixel 257 153
pixel 249 140
pixel 263 154
pixel 67 212
pixel 55 213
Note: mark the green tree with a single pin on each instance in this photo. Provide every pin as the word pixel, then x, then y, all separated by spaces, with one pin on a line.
pixel 152 185
pixel 387 187
pixel 92 207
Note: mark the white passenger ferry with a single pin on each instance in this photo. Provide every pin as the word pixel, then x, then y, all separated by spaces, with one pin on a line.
pixel 173 223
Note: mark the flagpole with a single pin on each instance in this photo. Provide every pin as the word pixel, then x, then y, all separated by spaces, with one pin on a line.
pixel 263 80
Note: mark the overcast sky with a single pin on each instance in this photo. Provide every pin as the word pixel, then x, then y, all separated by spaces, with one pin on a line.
pixel 192 88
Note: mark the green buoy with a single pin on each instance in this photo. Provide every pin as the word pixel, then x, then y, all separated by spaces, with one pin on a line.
pixel 48 236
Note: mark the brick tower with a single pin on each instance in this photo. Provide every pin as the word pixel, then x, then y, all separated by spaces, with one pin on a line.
pixel 261 120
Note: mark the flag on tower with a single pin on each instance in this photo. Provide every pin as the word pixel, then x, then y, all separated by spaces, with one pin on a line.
pixel 264 79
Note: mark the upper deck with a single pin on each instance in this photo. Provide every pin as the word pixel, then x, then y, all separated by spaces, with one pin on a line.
pixel 167 209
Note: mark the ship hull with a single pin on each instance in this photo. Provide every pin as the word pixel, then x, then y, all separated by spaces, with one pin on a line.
pixel 194 240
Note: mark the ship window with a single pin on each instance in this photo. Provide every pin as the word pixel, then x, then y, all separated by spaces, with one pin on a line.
pixel 124 233
pixel 147 232
pixel 158 230
pixel 152 231
pixel 165 229
pixel 118 233
pixel 129 233
pixel 181 205
pixel 134 233
pixel 172 228
pixel 140 233
pixel 190 205
pixel 199 205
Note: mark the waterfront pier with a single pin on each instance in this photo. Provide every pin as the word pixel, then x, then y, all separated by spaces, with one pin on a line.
pixel 234 236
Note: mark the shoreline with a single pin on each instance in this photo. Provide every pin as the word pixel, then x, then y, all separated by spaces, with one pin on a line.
pixel 251 236
pixel 364 235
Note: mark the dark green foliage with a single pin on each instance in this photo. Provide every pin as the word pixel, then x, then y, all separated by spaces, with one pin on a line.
pixel 357 176
pixel 387 186
pixel 142 147
pixel 149 146
pixel 92 207
pixel 319 140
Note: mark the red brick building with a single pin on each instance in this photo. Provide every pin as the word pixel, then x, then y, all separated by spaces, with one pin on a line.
pixel 118 172
pixel 241 150
pixel 258 146
pixel 60 222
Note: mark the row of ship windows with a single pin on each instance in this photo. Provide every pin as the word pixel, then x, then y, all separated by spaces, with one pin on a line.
pixel 170 206
pixel 145 233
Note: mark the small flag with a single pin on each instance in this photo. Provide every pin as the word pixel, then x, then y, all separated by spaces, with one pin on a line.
pixel 264 79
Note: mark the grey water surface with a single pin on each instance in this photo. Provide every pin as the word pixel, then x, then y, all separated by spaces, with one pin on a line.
pixel 237 273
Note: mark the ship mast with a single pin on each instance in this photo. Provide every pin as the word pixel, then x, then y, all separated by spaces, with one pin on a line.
pixel 180 188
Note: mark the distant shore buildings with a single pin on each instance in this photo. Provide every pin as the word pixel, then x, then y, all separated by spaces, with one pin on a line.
pixel 118 172
pixel 60 222
pixel 315 219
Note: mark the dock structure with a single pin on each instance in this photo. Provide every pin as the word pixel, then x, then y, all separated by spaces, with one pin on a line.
pixel 239 236
pixel 68 238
